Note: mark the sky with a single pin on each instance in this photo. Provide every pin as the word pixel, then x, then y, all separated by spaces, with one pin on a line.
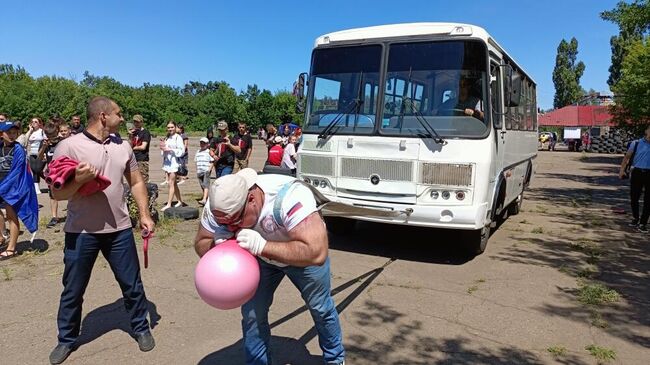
pixel 269 43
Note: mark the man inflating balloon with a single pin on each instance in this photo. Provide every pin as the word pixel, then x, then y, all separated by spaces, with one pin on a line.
pixel 276 219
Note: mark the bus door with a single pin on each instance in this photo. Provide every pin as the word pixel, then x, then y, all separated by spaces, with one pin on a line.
pixel 496 103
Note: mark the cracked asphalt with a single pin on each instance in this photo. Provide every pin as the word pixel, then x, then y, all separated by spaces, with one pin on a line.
pixel 405 295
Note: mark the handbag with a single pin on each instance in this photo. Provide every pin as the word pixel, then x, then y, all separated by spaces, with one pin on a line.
pixel 182 170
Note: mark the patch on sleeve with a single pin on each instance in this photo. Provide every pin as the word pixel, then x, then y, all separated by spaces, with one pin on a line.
pixel 294 209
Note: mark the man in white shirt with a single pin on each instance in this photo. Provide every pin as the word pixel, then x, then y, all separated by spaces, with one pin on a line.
pixel 275 218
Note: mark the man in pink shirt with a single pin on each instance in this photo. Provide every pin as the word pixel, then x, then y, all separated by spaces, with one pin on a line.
pixel 100 222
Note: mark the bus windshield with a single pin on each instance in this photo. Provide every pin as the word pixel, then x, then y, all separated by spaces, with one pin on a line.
pixel 345 84
pixel 438 83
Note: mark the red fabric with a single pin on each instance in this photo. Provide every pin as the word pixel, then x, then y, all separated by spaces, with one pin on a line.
pixel 62 170
pixel 275 155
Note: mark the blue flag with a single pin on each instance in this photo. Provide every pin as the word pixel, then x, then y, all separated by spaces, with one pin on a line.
pixel 17 189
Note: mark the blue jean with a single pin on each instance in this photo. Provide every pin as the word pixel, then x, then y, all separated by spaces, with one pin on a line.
pixel 79 256
pixel 313 282
pixel 222 170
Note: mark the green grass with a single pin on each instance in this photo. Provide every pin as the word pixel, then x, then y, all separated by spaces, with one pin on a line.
pixel 603 355
pixel 597 320
pixel 541 209
pixel 557 351
pixel 596 294
pixel 538 230
pixel 587 272
pixel 166 227
pixel 472 289
pixel 8 273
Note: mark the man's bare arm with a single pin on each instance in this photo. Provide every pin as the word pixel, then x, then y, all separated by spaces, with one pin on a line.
pixel 308 245
pixel 203 241
pixel 141 147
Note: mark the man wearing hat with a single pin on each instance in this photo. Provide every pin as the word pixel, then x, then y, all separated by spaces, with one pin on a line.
pixel 223 151
pixel 140 139
pixel 204 163
pixel 275 218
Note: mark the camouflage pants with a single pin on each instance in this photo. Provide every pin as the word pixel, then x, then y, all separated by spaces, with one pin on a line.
pixel 143 166
pixel 240 165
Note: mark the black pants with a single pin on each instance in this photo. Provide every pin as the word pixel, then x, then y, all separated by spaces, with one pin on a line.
pixel 640 180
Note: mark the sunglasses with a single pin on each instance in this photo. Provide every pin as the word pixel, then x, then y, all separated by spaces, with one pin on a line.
pixel 223 221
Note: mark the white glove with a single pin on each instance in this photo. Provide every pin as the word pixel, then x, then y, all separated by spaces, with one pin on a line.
pixel 251 241
pixel 219 241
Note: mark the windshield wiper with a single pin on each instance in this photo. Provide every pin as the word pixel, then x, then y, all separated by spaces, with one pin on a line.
pixel 354 105
pixel 431 132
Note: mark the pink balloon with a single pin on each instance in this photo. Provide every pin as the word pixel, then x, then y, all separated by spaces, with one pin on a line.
pixel 227 276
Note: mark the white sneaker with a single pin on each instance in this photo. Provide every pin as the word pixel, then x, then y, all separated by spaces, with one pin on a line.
pixel 179 204
pixel 182 181
pixel 165 208
pixel 163 183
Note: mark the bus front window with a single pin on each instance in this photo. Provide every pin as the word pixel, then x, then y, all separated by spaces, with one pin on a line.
pixel 439 83
pixel 345 83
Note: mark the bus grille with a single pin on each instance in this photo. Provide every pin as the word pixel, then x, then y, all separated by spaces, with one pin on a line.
pixel 316 165
pixel 445 174
pixel 360 168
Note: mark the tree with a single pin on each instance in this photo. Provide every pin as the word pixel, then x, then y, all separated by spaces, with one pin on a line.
pixel 633 21
pixel 567 74
pixel 630 69
pixel 632 91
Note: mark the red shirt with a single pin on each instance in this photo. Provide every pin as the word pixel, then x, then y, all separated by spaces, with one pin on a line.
pixel 275 155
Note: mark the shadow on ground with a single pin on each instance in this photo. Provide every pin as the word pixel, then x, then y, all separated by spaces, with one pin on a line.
pixel 601 239
pixel 108 318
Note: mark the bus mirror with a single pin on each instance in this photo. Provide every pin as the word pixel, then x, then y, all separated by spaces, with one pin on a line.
pixel 299 92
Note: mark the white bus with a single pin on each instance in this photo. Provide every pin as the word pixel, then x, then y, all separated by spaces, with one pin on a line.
pixel 434 121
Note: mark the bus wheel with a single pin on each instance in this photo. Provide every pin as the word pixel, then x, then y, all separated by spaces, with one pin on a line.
pixel 475 241
pixel 515 206
pixel 339 225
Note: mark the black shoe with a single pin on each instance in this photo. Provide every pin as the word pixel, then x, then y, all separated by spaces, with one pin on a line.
pixel 53 222
pixel 59 354
pixel 145 341
pixel 642 228
pixel 634 223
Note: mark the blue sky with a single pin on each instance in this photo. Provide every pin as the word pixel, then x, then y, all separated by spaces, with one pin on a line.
pixel 269 42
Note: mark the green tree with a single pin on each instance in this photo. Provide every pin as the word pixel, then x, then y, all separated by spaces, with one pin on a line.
pixel 632 91
pixel 567 74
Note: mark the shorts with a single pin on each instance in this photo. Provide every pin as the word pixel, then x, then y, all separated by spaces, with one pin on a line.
pixel 204 179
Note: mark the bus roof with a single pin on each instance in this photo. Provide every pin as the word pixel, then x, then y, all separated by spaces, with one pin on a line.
pixel 415 30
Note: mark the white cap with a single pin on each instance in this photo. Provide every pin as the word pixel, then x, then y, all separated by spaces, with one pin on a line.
pixel 228 193
pixel 277 139
pixel 204 140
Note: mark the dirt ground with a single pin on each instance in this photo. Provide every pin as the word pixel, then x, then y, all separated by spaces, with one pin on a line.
pixel 565 281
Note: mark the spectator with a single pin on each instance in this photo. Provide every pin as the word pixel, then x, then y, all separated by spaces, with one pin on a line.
pixel 271 132
pixel 75 125
pixel 22 138
pixel 100 222
pixel 276 152
pixel 172 148
pixel 276 220
pixel 638 158
pixel 204 166
pixel 223 151
pixel 3 117
pixel 16 193
pixel 64 131
pixel 289 156
pixel 586 141
pixel 35 137
pixel 286 133
pixel 186 141
pixel 140 141
pixel 245 143
pixel 52 138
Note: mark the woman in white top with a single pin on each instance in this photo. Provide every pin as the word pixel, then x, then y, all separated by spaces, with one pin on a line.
pixel 172 148
pixel 35 137
pixel 289 157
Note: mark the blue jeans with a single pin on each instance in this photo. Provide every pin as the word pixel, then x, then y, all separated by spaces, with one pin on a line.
pixel 313 282
pixel 79 256
pixel 223 170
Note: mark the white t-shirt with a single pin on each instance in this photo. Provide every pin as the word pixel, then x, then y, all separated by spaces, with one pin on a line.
pixel 298 203
pixel 35 140
pixel 289 151
pixel 176 150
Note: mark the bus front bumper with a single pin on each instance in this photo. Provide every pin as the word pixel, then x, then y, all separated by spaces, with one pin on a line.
pixel 452 216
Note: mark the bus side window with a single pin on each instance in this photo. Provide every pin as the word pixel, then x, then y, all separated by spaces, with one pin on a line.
pixel 495 96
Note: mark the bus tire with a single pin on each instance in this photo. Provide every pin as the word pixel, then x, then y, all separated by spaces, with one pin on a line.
pixel 515 207
pixel 340 225
pixel 475 241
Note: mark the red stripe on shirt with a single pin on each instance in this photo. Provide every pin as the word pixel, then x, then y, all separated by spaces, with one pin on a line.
pixel 294 209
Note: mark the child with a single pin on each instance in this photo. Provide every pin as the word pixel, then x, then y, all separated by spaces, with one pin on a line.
pixel 276 152
pixel 15 185
pixel 204 164
pixel 53 135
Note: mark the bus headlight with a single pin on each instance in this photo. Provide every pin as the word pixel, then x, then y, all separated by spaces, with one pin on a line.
pixel 446 195
pixel 307 180
pixel 316 182
pixel 434 194
pixel 460 195
pixel 323 184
